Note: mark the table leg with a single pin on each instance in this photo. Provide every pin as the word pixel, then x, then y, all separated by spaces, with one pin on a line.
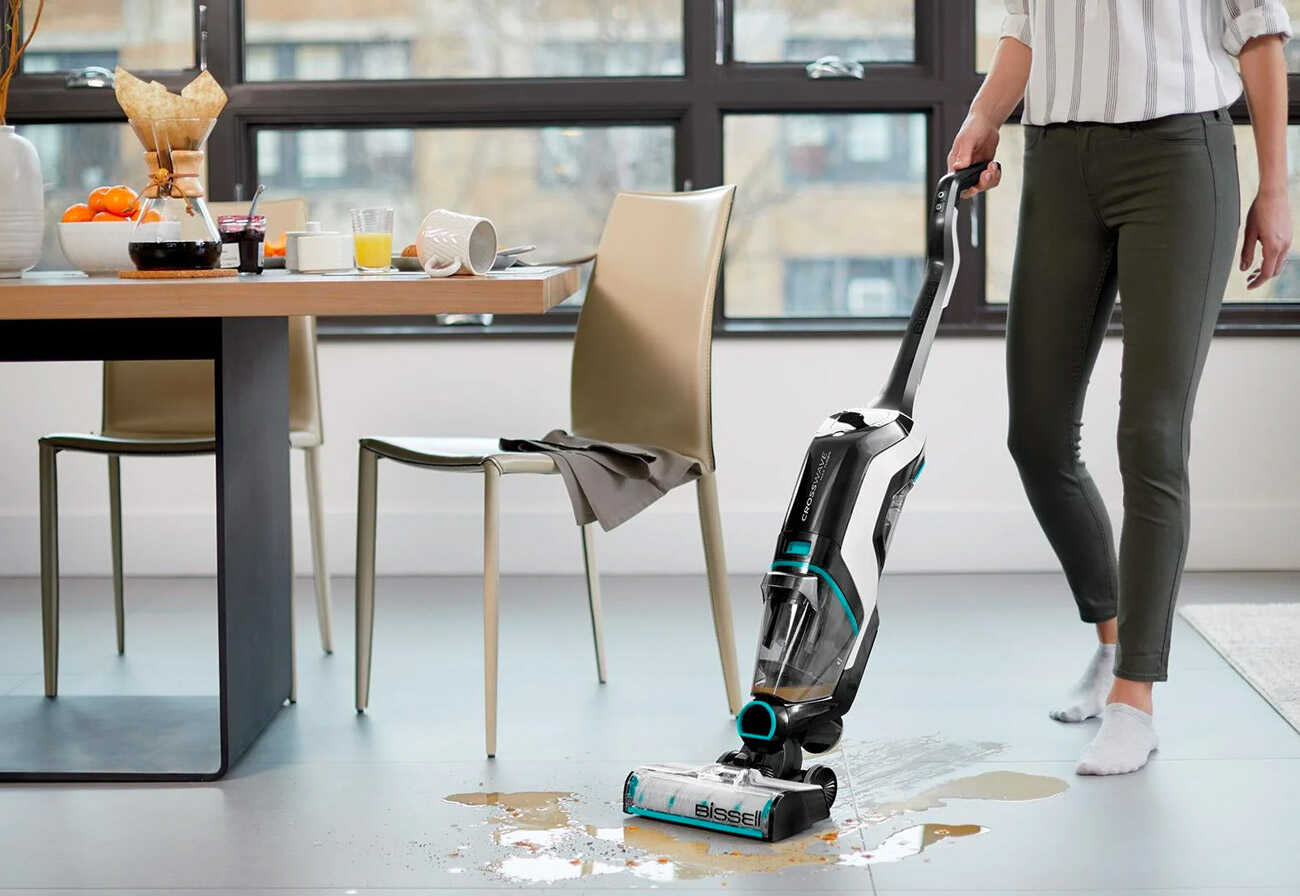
pixel 254 582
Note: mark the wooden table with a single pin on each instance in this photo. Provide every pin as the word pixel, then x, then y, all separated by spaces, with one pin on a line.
pixel 240 324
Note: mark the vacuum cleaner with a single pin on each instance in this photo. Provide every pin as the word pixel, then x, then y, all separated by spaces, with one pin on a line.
pixel 819 617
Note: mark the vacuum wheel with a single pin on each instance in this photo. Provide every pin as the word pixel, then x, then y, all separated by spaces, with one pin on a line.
pixel 823 777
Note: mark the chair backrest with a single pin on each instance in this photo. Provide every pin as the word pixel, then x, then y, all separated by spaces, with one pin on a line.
pixel 175 398
pixel 641 355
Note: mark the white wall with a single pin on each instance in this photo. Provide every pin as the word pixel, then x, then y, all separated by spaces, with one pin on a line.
pixel 968 513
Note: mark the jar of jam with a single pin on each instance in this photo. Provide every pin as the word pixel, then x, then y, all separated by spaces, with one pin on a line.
pixel 243 241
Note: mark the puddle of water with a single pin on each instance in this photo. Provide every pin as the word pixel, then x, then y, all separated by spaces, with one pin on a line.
pixel 545 844
pixel 665 856
pixel 910 842
pixel 1002 786
pixel 530 810
pixel 894 769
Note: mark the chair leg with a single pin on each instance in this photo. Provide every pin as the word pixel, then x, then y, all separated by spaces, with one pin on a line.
pixel 491 584
pixel 367 488
pixel 711 529
pixel 593 597
pixel 115 532
pixel 316 515
pixel 49 488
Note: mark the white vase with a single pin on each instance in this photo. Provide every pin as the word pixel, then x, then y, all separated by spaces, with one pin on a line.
pixel 22 204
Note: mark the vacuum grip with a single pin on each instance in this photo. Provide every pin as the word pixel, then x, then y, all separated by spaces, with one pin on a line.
pixel 964 178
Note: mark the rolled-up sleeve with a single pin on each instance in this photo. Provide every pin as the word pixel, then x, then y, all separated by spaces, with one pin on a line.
pixel 1246 19
pixel 1016 24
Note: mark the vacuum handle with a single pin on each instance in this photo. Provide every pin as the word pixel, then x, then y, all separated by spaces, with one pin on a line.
pixel 947 196
pixel 941 260
pixel 965 178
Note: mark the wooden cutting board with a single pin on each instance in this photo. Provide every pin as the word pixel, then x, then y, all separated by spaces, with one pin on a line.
pixel 178 275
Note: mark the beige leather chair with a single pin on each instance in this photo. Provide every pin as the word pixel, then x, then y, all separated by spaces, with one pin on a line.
pixel 166 408
pixel 640 375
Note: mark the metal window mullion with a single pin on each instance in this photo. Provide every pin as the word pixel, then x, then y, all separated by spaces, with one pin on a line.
pixel 952 40
pixel 701 127
pixel 324 103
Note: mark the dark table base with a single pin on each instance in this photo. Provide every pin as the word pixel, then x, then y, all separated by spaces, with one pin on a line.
pixel 92 738
pixel 109 738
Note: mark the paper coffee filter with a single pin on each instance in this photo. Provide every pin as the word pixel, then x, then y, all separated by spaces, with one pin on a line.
pixel 163 120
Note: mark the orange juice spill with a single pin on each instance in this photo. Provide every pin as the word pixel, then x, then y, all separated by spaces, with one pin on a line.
pixel 373 250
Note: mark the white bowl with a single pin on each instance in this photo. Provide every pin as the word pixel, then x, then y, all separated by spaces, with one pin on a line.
pixel 97 247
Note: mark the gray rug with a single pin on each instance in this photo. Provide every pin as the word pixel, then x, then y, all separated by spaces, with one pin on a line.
pixel 1262 642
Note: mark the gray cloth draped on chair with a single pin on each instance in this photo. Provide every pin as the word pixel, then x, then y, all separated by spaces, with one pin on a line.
pixel 610 482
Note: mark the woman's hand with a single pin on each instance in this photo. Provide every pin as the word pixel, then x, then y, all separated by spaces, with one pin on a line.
pixel 1269 224
pixel 1263 71
pixel 977 141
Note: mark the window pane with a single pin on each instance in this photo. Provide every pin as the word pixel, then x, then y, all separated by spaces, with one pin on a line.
pixel 142 35
pixel 1004 202
pixel 550 187
pixel 1002 208
pixel 1290 48
pixel 76 158
pixel 988 30
pixel 804 30
pixel 830 214
pixel 365 39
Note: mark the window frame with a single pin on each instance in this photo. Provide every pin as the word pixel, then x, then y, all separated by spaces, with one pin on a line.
pixel 940 81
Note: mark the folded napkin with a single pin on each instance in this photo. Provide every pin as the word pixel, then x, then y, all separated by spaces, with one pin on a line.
pixel 608 481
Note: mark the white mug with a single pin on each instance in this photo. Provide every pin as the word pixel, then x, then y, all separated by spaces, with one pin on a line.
pixel 449 242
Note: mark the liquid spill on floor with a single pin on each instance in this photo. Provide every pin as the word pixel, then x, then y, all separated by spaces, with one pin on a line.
pixel 544 843
pixel 1001 786
pixel 894 769
pixel 541 811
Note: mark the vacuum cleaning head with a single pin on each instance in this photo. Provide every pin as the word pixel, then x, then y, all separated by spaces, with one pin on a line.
pixel 726 798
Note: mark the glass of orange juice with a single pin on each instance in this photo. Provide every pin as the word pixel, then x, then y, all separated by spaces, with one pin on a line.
pixel 372 239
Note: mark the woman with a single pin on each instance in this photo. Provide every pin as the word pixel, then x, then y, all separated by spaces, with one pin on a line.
pixel 1130 181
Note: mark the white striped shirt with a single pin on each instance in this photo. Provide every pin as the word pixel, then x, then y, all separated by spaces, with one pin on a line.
pixel 1132 60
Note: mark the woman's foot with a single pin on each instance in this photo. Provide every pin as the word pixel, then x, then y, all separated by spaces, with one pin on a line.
pixel 1123 744
pixel 1088 697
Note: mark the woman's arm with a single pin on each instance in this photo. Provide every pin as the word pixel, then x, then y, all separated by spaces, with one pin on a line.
pixel 1003 88
pixel 1263 71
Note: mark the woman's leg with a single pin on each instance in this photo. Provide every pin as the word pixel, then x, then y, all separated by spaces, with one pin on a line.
pixel 1176 244
pixel 1171 190
pixel 1062 292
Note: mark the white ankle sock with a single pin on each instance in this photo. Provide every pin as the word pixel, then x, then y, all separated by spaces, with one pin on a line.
pixel 1089 696
pixel 1123 743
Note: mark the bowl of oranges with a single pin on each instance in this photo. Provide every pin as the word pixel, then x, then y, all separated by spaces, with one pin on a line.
pixel 94 234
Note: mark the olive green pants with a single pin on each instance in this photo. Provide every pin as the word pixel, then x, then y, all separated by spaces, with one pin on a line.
pixel 1151 208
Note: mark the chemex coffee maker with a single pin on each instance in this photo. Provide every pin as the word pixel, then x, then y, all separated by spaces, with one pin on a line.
pixel 174 229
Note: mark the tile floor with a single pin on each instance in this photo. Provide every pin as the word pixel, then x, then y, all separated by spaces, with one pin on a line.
pixel 959 684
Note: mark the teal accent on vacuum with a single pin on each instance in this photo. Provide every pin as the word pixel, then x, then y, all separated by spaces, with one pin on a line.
pixel 696 822
pixel 799 548
pixel 844 602
pixel 771 714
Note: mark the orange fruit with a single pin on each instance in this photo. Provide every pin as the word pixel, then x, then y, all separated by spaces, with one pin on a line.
pixel 275 248
pixel 97 197
pixel 151 215
pixel 78 212
pixel 107 216
pixel 120 201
